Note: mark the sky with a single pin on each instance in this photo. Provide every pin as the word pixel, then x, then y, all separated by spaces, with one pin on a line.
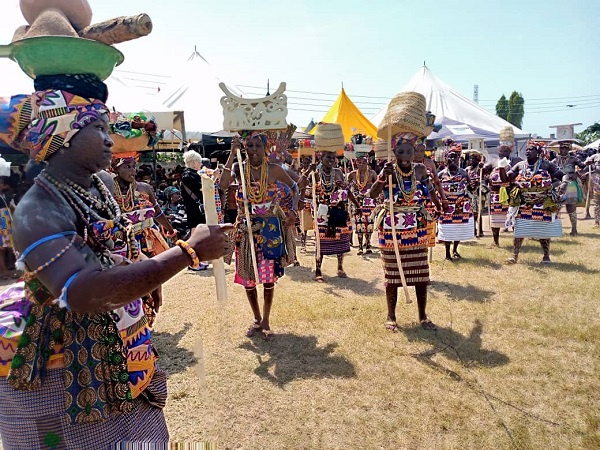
pixel 545 49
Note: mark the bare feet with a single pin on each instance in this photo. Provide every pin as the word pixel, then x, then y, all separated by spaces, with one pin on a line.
pixel 428 325
pixel 392 325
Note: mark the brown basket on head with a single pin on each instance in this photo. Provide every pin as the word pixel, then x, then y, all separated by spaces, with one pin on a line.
pixel 306 151
pixel 507 134
pixel 405 114
pixel 381 149
pixel 329 137
pixel 124 145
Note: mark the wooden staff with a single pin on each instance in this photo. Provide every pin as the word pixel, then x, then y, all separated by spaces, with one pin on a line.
pixel 393 221
pixel 210 210
pixel 248 219
pixel 119 29
pixel 314 202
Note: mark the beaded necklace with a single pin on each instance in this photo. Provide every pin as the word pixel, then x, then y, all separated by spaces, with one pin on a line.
pixel 361 184
pixel 328 185
pixel 409 195
pixel 253 195
pixel 82 200
pixel 126 202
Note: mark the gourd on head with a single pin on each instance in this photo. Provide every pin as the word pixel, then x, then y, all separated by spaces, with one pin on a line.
pixel 78 12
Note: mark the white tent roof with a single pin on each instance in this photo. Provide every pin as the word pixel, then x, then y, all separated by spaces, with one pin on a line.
pixel 594 145
pixel 452 108
pixel 195 91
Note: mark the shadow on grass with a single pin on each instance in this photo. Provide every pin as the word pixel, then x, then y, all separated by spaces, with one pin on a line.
pixel 535 247
pixel 463 349
pixel 173 359
pixel 292 357
pixel 562 267
pixel 466 292
pixel 331 283
pixel 480 262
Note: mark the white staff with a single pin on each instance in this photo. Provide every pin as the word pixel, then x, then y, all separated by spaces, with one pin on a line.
pixel 314 202
pixel 248 219
pixel 589 189
pixel 393 220
pixel 210 210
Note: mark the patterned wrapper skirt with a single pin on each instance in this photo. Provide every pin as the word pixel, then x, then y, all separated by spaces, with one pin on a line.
pixel 5 228
pixel 537 229
pixel 37 418
pixel 268 270
pixel 335 246
pixel 414 265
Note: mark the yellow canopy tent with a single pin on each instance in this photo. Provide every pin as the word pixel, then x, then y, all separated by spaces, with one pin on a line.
pixel 349 117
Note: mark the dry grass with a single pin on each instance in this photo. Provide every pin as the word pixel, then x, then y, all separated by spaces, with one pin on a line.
pixel 514 363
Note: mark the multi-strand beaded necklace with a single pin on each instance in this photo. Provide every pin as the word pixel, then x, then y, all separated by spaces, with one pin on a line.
pixel 327 182
pixel 126 202
pixel 409 195
pixel 257 196
pixel 90 208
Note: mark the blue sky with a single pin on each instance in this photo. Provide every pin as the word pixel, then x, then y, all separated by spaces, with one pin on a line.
pixel 547 50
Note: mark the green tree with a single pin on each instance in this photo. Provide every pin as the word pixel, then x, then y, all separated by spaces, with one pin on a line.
pixel 502 107
pixel 516 109
pixel 590 134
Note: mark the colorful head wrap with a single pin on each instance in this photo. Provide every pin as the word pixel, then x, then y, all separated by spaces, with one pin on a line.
pixel 121 158
pixel 404 138
pixel 170 191
pixel 42 123
pixel 260 134
pixel 538 145
pixel 362 155
pixel 454 148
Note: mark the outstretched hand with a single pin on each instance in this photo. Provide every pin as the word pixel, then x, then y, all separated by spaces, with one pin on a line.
pixel 210 241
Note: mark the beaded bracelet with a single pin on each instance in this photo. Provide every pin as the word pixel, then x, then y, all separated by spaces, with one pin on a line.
pixel 191 252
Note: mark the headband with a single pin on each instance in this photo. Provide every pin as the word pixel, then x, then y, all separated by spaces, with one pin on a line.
pixel 42 123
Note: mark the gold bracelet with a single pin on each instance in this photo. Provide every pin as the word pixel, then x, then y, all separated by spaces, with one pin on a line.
pixel 190 251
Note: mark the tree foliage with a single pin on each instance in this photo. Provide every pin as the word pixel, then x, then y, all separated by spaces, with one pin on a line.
pixel 502 107
pixel 511 110
pixel 590 134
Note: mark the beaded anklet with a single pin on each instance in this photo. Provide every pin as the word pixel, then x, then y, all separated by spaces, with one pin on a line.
pixel 190 251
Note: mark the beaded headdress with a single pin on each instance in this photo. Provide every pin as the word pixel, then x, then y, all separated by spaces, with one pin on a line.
pixel 42 123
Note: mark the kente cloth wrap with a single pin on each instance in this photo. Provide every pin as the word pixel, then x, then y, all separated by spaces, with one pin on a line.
pixel 410 220
pixel 534 194
pixel 333 241
pixel 410 216
pixel 498 210
pixel 404 138
pixel 42 123
pixel 108 358
pixel 363 220
pixel 272 244
pixel 457 223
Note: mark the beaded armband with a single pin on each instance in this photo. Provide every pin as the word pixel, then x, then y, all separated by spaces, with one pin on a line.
pixel 190 251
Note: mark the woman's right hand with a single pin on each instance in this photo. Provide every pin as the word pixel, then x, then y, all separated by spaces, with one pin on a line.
pixel 235 143
pixel 388 169
pixel 210 241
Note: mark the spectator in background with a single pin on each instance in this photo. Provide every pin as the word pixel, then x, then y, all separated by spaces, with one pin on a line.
pixel 191 192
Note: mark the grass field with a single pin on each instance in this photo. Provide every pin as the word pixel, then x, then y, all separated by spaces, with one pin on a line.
pixel 514 363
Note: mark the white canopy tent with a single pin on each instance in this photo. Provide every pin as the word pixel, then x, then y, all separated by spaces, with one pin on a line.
pixel 188 104
pixel 460 117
